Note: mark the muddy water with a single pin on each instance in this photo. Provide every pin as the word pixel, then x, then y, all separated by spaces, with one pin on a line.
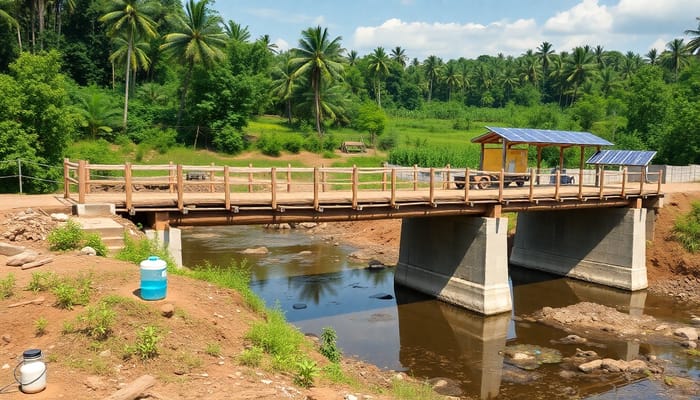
pixel 316 285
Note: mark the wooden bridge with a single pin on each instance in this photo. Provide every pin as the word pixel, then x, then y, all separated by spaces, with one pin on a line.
pixel 196 194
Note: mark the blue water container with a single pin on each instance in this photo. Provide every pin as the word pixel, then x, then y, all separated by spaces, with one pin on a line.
pixel 154 278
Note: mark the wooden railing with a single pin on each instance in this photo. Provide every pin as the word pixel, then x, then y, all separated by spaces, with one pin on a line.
pixel 86 179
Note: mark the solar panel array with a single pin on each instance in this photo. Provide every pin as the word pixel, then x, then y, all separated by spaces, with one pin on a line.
pixel 622 157
pixel 520 135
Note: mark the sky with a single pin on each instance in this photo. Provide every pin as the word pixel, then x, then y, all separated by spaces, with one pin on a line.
pixel 469 28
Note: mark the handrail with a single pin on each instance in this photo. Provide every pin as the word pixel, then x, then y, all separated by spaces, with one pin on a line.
pixel 433 185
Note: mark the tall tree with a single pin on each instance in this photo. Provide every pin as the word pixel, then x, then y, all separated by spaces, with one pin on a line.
pixel 268 43
pixel 197 39
pixel 398 54
pixel 4 15
pixel 379 68
pixel 652 56
pixel 131 17
pixel 318 57
pixel 433 69
pixel 675 57
pixel 544 53
pixel 452 78
pixel 580 68
pixel 352 57
pixel 283 85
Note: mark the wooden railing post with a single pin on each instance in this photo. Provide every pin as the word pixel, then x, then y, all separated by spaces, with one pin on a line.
pixel 392 202
pixel 602 182
pixel 316 201
pixel 289 178
pixel 211 179
pixel 466 184
pixel 355 181
pixel 250 179
pixel 87 177
pixel 532 184
pixel 624 181
pixel 446 182
pixel 501 185
pixel 431 198
pixel 658 188
pixel 384 179
pixel 227 188
pixel 642 179
pixel 171 177
pixel 66 180
pixel 273 188
pixel 81 181
pixel 180 188
pixel 324 178
pixel 415 177
pixel 128 187
pixel 557 184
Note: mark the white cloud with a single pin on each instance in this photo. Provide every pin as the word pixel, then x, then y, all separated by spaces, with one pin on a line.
pixel 654 16
pixel 449 40
pixel 285 17
pixel 585 17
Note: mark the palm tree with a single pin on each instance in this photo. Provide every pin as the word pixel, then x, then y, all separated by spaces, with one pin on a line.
pixel 432 69
pixel 608 81
pixel 318 57
pixel 379 67
pixel 139 52
pixel 267 42
pixel 558 73
pixel 99 112
pixel 675 57
pixel 352 57
pixel 544 51
pixel 694 43
pixel 399 55
pixel 652 56
pixel 599 53
pixel 452 78
pixel 630 64
pixel 283 85
pixel 236 32
pixel 197 40
pixel 132 18
pixel 580 68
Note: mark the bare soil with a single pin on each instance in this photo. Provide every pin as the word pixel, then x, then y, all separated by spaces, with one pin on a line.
pixel 207 316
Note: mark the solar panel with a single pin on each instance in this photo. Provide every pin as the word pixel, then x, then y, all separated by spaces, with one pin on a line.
pixel 521 135
pixel 622 157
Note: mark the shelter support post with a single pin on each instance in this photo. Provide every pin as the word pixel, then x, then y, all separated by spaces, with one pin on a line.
pixel 460 260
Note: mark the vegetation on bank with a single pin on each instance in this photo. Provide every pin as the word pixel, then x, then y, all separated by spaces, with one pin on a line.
pixel 686 229
pixel 130 81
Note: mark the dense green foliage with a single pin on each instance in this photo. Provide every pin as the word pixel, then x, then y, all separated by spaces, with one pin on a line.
pixel 163 74
pixel 686 229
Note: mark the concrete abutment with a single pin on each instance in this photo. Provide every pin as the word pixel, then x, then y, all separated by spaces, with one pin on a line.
pixel 460 260
pixel 604 246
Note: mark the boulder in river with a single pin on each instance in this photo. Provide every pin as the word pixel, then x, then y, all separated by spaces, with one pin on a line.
pixel 529 357
pixel 687 333
pixel 255 250
pixel 382 296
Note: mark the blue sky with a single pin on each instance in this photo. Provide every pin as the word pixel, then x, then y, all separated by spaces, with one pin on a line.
pixel 468 28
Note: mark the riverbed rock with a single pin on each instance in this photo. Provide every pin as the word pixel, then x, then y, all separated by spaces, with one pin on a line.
pixel 382 296
pixel 299 306
pixel 445 386
pixel 10 250
pixel 375 265
pixel 637 366
pixel 572 339
pixel 88 251
pixel 590 366
pixel 611 365
pixel 689 344
pixel 586 353
pixel 167 310
pixel 255 250
pixel 360 255
pixel 22 258
pixel 281 227
pixel 60 217
pixel 306 225
pixel 530 357
pixel 687 333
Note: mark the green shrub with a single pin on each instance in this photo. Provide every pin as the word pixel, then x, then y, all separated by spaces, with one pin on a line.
pixel 269 144
pixel 7 286
pixel 228 139
pixel 293 143
pixel 329 347
pixel 66 237
pixel 387 142
pixel 686 229
pixel 330 142
pixel 275 336
pixel 95 241
pixel 213 349
pixel 137 250
pixel 160 140
pixel 40 326
pixel 98 320
pixel 146 346
pixel 235 277
pixel 312 143
pixel 306 372
pixel 72 292
pixel 95 151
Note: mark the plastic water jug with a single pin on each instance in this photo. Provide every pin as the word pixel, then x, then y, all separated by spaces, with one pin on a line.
pixel 154 278
pixel 32 372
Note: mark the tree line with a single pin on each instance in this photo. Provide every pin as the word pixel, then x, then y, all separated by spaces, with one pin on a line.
pixel 166 72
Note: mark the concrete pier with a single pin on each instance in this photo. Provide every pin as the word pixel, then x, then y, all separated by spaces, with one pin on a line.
pixel 460 260
pixel 605 246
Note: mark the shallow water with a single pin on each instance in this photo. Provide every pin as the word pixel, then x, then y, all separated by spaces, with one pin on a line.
pixel 316 285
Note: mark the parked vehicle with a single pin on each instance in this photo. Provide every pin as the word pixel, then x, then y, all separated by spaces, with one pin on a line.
pixel 516 169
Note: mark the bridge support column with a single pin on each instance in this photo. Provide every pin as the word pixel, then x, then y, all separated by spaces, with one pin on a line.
pixel 169 237
pixel 605 246
pixel 460 260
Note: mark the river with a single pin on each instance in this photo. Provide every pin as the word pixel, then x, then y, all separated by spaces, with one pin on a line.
pixel 317 285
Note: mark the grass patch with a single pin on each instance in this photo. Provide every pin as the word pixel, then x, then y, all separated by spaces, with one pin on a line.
pixel 686 229
pixel 72 292
pixel 7 286
pixel 42 281
pixel 251 357
pixel 277 338
pixel 213 349
pixel 40 326
pixel 137 250
pixel 405 390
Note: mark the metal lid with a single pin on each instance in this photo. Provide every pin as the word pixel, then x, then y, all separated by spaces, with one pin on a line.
pixel 31 353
